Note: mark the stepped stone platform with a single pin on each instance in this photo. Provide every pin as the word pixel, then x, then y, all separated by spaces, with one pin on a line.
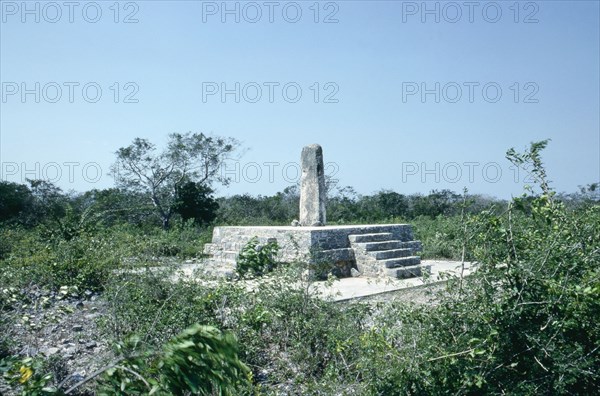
pixel 387 250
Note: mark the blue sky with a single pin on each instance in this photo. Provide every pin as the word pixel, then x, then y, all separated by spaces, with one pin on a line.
pixel 496 75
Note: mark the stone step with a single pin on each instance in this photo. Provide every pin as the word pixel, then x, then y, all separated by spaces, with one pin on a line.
pixel 392 253
pixel 378 237
pixel 229 254
pixel 401 262
pixel 209 248
pixel 233 246
pixel 408 272
pixel 378 246
pixel 225 261
pixel 414 245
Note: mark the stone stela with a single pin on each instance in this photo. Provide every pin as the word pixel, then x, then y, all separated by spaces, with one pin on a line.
pixel 312 187
pixel 370 250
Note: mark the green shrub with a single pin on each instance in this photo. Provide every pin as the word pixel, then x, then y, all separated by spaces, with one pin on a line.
pixel 84 261
pixel 257 259
pixel 150 303
pixel 441 236
pixel 523 323
pixel 199 361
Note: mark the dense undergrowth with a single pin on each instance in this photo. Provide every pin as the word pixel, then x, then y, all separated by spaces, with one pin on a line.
pixel 524 323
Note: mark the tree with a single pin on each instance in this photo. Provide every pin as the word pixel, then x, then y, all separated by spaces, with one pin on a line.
pixel 14 200
pixel 49 202
pixel 435 204
pixel 239 210
pixel 117 206
pixel 383 206
pixel 194 201
pixel 189 157
pixel 342 206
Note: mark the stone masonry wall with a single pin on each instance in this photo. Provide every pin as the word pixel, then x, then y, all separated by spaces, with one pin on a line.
pixel 297 243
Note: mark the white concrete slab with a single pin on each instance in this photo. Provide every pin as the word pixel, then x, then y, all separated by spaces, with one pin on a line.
pixel 350 288
pixel 360 287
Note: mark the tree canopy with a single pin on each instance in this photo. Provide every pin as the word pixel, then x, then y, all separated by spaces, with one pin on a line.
pixel 188 157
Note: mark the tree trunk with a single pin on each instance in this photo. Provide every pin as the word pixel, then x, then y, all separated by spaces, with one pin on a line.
pixel 165 222
pixel 164 216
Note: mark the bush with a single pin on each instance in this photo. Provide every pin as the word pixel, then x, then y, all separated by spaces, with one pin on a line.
pixel 199 361
pixel 150 303
pixel 85 262
pixel 257 259
pixel 441 237
pixel 523 323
